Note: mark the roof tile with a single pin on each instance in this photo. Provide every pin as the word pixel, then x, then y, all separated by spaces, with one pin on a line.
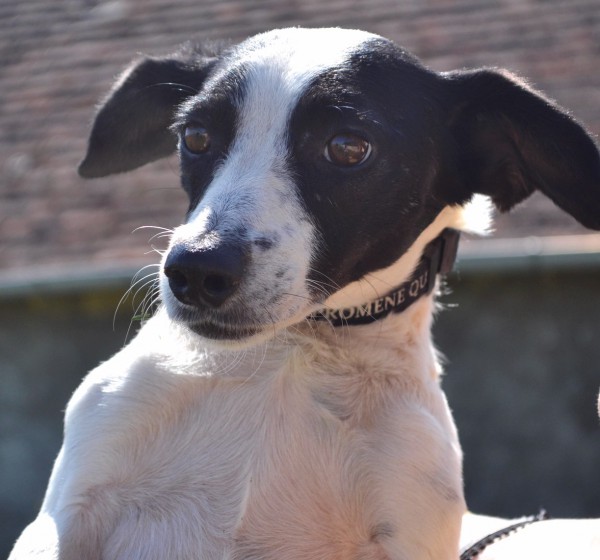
pixel 58 57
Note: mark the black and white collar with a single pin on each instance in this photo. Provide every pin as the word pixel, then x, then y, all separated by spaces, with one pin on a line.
pixel 438 258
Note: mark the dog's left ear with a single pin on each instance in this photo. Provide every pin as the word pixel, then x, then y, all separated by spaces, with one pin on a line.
pixel 131 127
pixel 510 140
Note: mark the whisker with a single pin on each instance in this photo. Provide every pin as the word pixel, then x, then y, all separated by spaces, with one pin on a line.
pixel 262 361
pixel 134 282
pixel 161 235
pixel 142 311
pixel 162 229
pixel 148 283
pixel 297 296
pixel 142 285
pixel 161 253
pixel 331 283
pixel 318 287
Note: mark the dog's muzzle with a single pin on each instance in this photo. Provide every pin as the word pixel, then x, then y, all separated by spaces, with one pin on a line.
pixel 205 281
pixel 206 277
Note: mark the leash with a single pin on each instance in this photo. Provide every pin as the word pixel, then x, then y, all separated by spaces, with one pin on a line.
pixel 438 258
pixel 476 549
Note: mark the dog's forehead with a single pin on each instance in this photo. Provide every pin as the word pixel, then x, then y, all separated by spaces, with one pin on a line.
pixel 277 66
pixel 300 54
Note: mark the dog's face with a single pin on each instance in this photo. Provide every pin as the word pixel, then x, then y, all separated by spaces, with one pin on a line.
pixel 300 178
pixel 312 158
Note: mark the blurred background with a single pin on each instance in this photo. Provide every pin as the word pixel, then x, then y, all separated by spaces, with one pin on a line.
pixel 522 337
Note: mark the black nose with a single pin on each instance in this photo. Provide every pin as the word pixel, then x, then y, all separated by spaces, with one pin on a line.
pixel 201 277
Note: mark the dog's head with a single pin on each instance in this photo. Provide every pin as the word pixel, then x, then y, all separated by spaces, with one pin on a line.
pixel 313 158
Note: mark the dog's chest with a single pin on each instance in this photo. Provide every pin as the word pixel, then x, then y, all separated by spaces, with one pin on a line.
pixel 290 461
pixel 235 465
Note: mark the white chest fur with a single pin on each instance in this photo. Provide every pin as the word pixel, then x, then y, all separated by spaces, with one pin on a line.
pixel 314 447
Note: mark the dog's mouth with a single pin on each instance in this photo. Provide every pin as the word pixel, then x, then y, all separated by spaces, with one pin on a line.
pixel 234 327
pixel 213 325
pixel 226 332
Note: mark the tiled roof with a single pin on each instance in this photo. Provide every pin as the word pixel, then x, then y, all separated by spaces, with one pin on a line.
pixel 58 57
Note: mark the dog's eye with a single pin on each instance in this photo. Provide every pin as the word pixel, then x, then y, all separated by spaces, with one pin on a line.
pixel 196 139
pixel 347 150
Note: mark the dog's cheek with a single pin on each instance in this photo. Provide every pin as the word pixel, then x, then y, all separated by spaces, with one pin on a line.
pixel 277 284
pixel 286 262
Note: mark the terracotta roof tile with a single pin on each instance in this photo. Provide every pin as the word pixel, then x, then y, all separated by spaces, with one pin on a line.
pixel 58 57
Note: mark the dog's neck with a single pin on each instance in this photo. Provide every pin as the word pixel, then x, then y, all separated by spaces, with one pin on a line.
pixel 438 258
pixel 398 342
pixel 357 367
pixel 401 335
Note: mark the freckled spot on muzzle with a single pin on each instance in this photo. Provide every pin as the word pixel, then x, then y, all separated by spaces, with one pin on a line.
pixel 264 243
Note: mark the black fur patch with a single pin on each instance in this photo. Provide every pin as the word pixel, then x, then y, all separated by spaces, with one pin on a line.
pixel 368 215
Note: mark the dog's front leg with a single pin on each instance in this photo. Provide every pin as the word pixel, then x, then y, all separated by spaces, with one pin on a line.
pixel 81 505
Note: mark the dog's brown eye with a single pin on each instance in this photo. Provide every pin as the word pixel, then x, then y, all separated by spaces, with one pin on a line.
pixel 196 139
pixel 347 150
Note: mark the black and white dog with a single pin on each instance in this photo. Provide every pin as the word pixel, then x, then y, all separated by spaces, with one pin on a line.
pixel 284 402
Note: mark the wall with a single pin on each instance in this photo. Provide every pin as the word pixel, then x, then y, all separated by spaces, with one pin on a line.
pixel 522 378
pixel 47 344
pixel 523 375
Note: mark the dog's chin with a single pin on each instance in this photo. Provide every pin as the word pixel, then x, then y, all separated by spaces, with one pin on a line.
pixel 223 332
pixel 231 336
pixel 228 333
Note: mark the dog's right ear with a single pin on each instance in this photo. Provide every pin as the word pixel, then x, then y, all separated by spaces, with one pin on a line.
pixel 131 127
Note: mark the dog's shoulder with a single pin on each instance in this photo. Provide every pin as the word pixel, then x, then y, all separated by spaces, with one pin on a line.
pixel 121 427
